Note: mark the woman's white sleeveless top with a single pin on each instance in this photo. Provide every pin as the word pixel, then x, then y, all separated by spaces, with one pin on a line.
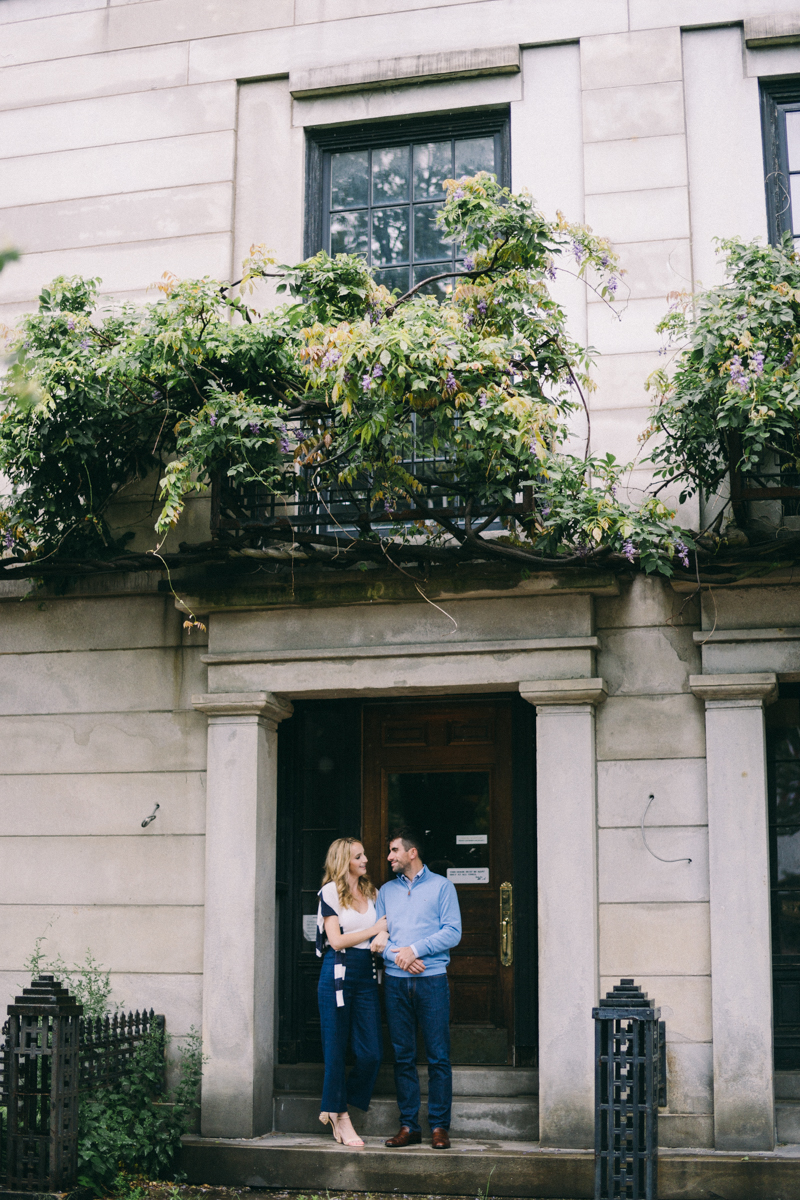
pixel 350 919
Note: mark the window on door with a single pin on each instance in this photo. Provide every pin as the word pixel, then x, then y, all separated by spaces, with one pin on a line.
pixel 376 191
pixel 780 109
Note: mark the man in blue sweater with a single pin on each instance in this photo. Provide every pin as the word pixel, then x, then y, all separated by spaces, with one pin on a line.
pixel 424 924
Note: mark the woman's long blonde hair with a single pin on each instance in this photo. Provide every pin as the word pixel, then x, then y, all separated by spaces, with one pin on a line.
pixel 337 870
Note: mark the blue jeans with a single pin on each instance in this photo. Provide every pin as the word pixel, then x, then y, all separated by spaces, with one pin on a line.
pixel 359 1021
pixel 408 1000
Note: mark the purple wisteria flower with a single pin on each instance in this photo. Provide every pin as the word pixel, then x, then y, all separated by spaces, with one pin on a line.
pixel 605 260
pixel 366 382
pixel 85 344
pixel 469 263
pixel 458 194
pixel 545 511
pixel 682 551
pixel 8 540
pixel 254 427
pixel 612 284
pixel 614 490
pixel 468 319
pixel 451 383
pixel 482 307
pixel 285 445
pixel 738 374
pixel 629 550
pixel 330 357
pixel 377 372
pixel 70 324
pixel 212 420
pixel 757 363
pixel 551 273
pixel 788 358
pixel 483 399
pixel 387 506
pixel 578 251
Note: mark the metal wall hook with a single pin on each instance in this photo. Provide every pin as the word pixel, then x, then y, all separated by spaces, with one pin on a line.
pixel 148 820
pixel 644 839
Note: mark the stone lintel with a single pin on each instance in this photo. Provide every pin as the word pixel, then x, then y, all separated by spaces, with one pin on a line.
pixel 402 650
pixel 243 704
pixel 761 685
pixel 392 72
pixel 779 30
pixel 563 691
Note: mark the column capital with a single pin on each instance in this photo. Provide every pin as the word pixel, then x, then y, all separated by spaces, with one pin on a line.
pixel 760 686
pixel 542 692
pixel 243 704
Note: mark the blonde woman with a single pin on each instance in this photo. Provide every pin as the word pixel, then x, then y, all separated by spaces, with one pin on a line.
pixel 348 985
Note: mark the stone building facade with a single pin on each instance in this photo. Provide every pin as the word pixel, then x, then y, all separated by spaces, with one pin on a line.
pixel 168 135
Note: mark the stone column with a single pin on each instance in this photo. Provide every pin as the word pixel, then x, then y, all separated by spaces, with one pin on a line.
pixel 566 822
pixel 238 948
pixel 741 952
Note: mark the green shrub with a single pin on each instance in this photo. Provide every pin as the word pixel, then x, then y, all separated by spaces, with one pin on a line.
pixel 136 1126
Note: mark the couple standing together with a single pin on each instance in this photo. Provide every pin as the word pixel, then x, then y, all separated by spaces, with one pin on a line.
pixel 413 923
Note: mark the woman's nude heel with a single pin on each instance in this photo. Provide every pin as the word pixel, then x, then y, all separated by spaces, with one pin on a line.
pixel 334 1120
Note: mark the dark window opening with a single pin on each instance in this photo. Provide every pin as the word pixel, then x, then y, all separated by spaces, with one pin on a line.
pixel 376 190
pixel 783 773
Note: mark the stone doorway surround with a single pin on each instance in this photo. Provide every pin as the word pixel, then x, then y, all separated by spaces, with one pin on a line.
pixel 735 696
pixel 251 691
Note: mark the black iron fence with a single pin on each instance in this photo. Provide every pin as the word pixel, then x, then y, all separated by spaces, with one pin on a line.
pixel 630 1086
pixel 49 1054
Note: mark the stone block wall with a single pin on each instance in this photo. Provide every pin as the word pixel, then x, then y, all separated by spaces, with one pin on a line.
pixel 653 916
pixel 97 728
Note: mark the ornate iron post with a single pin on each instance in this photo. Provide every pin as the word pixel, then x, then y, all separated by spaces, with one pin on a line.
pixel 630 1084
pixel 42 1061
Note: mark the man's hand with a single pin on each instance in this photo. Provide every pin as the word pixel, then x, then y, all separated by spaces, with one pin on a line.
pixel 417 967
pixel 404 957
pixel 378 943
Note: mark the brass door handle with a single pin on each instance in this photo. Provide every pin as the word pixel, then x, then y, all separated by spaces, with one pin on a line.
pixel 506 924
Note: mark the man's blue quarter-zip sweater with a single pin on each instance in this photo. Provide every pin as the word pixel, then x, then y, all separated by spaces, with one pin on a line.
pixel 423 914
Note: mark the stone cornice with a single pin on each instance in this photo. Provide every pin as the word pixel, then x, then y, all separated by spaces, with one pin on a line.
pixel 563 691
pixel 761 685
pixel 791 633
pixel 243 704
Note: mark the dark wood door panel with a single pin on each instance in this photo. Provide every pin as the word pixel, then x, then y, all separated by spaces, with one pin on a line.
pixel 446 770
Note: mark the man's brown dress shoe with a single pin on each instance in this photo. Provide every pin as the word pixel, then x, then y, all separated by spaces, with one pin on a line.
pixel 406 1137
pixel 440 1139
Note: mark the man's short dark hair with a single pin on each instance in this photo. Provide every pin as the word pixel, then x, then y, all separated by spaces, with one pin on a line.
pixel 409 837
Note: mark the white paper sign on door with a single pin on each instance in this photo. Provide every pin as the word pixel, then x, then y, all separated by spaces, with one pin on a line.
pixel 468 874
pixel 472 839
pixel 310 927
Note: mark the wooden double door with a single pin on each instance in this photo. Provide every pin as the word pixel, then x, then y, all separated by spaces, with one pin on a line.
pixel 446 771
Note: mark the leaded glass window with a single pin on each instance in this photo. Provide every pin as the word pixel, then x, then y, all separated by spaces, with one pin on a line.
pixel 380 188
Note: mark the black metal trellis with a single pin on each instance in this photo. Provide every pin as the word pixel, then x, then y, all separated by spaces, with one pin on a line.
pixel 49 1054
pixel 630 1084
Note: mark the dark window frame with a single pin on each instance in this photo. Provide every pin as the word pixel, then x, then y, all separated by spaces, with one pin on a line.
pixel 322 140
pixel 778 96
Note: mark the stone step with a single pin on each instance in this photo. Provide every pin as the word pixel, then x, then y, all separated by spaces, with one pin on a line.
pixel 472 1168
pixel 787 1121
pixel 504 1118
pixel 787 1085
pixel 467 1081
